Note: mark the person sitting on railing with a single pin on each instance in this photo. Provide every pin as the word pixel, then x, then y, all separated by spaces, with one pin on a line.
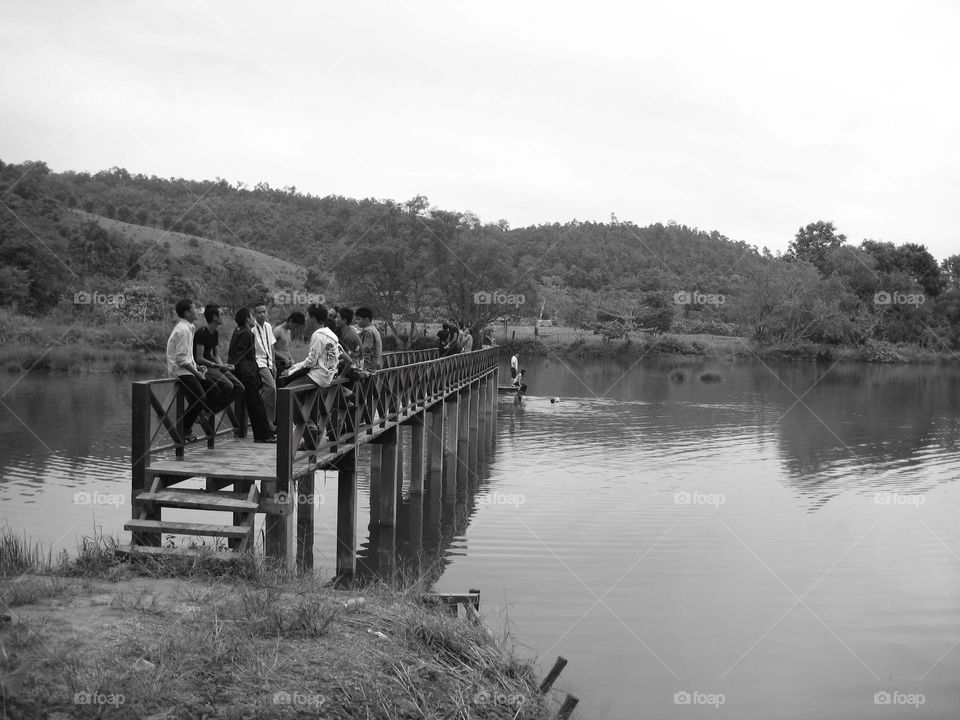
pixel 370 341
pixel 206 353
pixel 242 355
pixel 349 335
pixel 319 368
pixel 181 365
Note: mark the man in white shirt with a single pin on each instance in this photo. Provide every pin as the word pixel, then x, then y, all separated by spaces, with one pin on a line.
pixel 264 340
pixel 181 365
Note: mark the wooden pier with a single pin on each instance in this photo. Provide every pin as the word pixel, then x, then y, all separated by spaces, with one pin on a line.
pixel 448 404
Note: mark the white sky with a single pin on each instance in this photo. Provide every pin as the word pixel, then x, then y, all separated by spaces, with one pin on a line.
pixel 751 118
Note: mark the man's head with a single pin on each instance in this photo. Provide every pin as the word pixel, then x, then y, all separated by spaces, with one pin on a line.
pixel 295 318
pixel 185 309
pixel 242 318
pixel 344 316
pixel 364 316
pixel 332 313
pixel 260 313
pixel 318 313
pixel 211 313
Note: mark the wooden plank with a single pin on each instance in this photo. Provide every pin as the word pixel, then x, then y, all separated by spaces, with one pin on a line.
pixel 192 553
pixel 200 500
pixel 166 527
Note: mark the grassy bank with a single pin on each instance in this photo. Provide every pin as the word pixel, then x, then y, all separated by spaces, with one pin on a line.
pixel 91 637
pixel 570 342
pixel 139 348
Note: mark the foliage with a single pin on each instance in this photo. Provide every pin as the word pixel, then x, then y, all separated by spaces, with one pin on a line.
pixel 413 263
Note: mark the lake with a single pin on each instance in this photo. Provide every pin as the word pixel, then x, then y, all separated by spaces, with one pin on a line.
pixel 781 543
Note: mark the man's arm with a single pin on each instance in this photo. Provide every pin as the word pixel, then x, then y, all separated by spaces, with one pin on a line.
pixel 182 353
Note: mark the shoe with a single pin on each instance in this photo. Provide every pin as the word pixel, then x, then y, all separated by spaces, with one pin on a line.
pixel 190 439
pixel 272 439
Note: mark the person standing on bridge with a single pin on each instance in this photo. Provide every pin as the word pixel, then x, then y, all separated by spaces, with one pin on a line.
pixel 181 365
pixel 266 363
pixel 243 356
pixel 281 350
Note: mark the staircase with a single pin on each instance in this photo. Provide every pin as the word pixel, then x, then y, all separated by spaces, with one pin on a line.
pixel 148 530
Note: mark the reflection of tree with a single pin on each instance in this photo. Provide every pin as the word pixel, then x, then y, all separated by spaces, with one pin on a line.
pixel 862 424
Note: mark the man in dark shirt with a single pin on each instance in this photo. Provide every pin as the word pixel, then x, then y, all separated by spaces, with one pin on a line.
pixel 349 335
pixel 206 352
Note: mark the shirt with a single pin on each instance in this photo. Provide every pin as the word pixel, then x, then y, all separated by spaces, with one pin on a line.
pixel 322 359
pixel 467 343
pixel 180 350
pixel 209 339
pixel 372 346
pixel 350 340
pixel 263 335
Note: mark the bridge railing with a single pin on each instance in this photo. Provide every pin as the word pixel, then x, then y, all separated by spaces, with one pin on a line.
pixel 342 414
pixel 407 357
pixel 317 422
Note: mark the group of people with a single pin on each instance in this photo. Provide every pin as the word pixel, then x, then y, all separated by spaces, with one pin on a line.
pixel 455 337
pixel 259 358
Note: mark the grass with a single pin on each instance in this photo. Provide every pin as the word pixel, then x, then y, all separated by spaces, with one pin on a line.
pixel 91 636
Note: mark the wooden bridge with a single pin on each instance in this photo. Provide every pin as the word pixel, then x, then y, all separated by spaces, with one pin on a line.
pixel 449 405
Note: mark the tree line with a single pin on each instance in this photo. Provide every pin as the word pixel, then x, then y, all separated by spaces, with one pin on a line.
pixel 415 263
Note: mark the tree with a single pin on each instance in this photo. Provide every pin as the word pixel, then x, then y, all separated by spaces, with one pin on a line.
pixel 813 242
pixel 951 269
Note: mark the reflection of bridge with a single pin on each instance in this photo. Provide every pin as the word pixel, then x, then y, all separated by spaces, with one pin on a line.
pixel 448 405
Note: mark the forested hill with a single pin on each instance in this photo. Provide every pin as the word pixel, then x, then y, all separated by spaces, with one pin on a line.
pixel 414 263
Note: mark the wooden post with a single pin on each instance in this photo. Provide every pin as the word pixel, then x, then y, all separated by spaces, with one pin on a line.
pixel 278 530
pixel 375 455
pixel 474 423
pixel 554 673
pixel 566 710
pixel 140 454
pixel 483 403
pixel 450 442
pixel 416 453
pixel 415 529
pixel 463 434
pixel 386 484
pixel 305 522
pixel 347 514
pixel 180 405
pixel 399 485
pixel 435 445
pixel 493 408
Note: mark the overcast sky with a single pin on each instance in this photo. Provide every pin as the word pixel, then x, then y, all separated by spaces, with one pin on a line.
pixel 750 118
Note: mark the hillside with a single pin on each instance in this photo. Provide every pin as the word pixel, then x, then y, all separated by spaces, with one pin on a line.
pixel 162 239
pixel 274 272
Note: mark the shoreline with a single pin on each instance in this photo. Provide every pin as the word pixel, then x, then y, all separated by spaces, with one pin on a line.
pixel 176 639
pixel 139 349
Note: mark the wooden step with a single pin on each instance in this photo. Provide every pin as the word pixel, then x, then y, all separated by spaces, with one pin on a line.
pixel 191 553
pixel 199 500
pixel 167 527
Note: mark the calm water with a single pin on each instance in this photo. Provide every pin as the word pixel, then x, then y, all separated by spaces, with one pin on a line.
pixel 785 541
